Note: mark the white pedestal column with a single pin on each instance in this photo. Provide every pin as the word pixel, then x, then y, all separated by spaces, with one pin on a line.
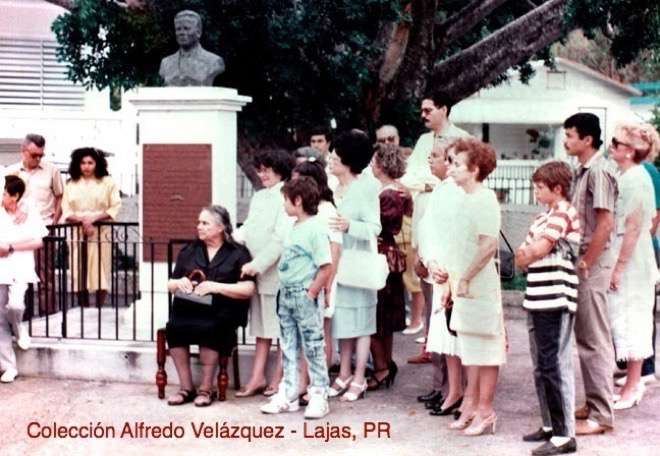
pixel 185 116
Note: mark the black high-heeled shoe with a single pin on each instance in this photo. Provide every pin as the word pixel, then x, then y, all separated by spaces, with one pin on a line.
pixel 374 383
pixel 450 410
pixel 393 371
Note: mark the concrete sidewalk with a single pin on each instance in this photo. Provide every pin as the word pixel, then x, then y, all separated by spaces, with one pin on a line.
pixel 412 431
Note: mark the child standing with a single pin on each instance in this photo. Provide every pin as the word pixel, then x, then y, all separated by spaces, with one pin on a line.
pixel 551 301
pixel 304 268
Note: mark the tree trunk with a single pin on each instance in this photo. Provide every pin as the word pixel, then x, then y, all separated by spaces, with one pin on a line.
pixel 464 73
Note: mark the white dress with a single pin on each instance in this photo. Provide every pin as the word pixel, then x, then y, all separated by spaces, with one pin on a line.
pixel 631 305
pixel 439 242
pixel 481 216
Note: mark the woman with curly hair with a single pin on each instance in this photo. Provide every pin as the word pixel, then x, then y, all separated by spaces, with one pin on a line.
pixel 90 196
pixel 388 165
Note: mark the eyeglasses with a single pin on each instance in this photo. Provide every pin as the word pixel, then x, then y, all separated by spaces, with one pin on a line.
pixel 387 139
pixel 37 156
pixel 616 143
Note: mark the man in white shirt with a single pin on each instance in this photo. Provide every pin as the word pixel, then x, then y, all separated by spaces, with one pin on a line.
pixel 320 139
pixel 435 110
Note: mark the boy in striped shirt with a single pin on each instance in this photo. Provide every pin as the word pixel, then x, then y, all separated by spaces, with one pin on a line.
pixel 551 301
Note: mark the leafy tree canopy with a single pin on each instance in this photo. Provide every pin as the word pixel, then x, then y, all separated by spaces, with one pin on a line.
pixel 362 63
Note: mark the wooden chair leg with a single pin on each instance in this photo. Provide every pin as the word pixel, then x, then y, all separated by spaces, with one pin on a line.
pixel 223 379
pixel 237 374
pixel 161 355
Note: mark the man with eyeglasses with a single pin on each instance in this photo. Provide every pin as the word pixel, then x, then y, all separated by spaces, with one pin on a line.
pixel 419 180
pixel 594 196
pixel 43 189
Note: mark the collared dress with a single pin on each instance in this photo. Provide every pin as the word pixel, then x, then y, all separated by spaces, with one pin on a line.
pixel 89 197
pixel 211 326
pixel 355 308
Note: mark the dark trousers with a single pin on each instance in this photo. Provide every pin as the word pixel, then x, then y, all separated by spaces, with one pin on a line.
pixel 648 366
pixel 554 377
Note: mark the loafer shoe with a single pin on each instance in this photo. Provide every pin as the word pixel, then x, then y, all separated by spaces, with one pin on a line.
pixel 434 395
pixel 538 436
pixel 589 427
pixel 548 448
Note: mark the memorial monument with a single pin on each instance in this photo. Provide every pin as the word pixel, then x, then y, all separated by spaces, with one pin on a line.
pixel 191 65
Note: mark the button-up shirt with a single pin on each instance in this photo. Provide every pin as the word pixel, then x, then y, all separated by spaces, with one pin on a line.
pixel 43 185
pixel 594 187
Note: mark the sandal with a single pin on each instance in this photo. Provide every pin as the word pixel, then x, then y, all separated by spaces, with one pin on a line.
pixel 182 397
pixel 339 386
pixel 204 398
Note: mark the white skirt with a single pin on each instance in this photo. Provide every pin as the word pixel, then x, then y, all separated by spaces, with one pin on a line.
pixel 439 338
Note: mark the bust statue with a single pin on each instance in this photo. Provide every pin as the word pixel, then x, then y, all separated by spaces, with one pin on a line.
pixel 191 65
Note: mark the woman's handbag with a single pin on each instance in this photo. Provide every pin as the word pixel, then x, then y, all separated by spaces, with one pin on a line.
pixel 362 269
pixel 196 277
pixel 482 317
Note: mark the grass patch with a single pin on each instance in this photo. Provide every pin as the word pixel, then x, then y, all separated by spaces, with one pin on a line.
pixel 519 282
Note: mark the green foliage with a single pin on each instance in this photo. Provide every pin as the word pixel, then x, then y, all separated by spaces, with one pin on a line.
pixel 304 62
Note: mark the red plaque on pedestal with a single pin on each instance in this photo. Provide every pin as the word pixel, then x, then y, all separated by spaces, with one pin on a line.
pixel 176 185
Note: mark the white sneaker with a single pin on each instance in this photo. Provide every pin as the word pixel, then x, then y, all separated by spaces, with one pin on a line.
pixel 317 407
pixel 9 375
pixel 644 380
pixel 23 340
pixel 279 404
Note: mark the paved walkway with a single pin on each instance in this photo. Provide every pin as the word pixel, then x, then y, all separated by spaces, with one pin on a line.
pixel 412 432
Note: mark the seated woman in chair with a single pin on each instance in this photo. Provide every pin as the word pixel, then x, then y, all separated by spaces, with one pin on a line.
pixel 210 266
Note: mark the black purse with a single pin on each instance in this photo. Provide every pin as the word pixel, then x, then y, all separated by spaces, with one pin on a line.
pixel 448 311
pixel 191 305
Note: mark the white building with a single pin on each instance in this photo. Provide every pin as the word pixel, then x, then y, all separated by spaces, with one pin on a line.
pixel 37 97
pixel 524 122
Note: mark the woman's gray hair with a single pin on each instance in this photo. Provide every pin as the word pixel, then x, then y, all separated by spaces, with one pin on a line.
pixel 221 217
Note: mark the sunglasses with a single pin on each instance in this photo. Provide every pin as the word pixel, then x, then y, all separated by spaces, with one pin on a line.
pixel 616 143
pixel 387 139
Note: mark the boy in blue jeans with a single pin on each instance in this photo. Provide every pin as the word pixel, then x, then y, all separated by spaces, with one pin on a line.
pixel 304 269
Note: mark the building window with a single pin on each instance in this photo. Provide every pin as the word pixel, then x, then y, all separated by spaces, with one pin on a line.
pixel 30 75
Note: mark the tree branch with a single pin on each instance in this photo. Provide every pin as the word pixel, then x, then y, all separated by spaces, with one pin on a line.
pixel 464 73
pixel 464 20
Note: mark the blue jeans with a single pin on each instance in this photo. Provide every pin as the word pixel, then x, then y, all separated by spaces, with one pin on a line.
pixel 301 325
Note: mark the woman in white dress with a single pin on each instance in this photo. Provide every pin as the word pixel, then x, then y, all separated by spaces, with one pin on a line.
pixel 477 315
pixel 632 285
pixel 263 233
pixel 439 226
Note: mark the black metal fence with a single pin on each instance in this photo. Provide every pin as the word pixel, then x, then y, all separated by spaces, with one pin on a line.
pixel 90 284
pixel 85 280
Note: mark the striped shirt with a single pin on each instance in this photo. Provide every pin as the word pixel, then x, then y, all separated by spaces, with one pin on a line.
pixel 552 280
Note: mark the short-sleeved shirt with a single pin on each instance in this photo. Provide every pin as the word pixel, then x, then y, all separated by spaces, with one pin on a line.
pixel 655 178
pixel 306 249
pixel 594 187
pixel 559 222
pixel 43 185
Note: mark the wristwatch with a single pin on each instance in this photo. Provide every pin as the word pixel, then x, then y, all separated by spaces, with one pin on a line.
pixel 10 249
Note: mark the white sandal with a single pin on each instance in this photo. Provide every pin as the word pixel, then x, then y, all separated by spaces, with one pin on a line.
pixel 349 396
pixel 342 384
